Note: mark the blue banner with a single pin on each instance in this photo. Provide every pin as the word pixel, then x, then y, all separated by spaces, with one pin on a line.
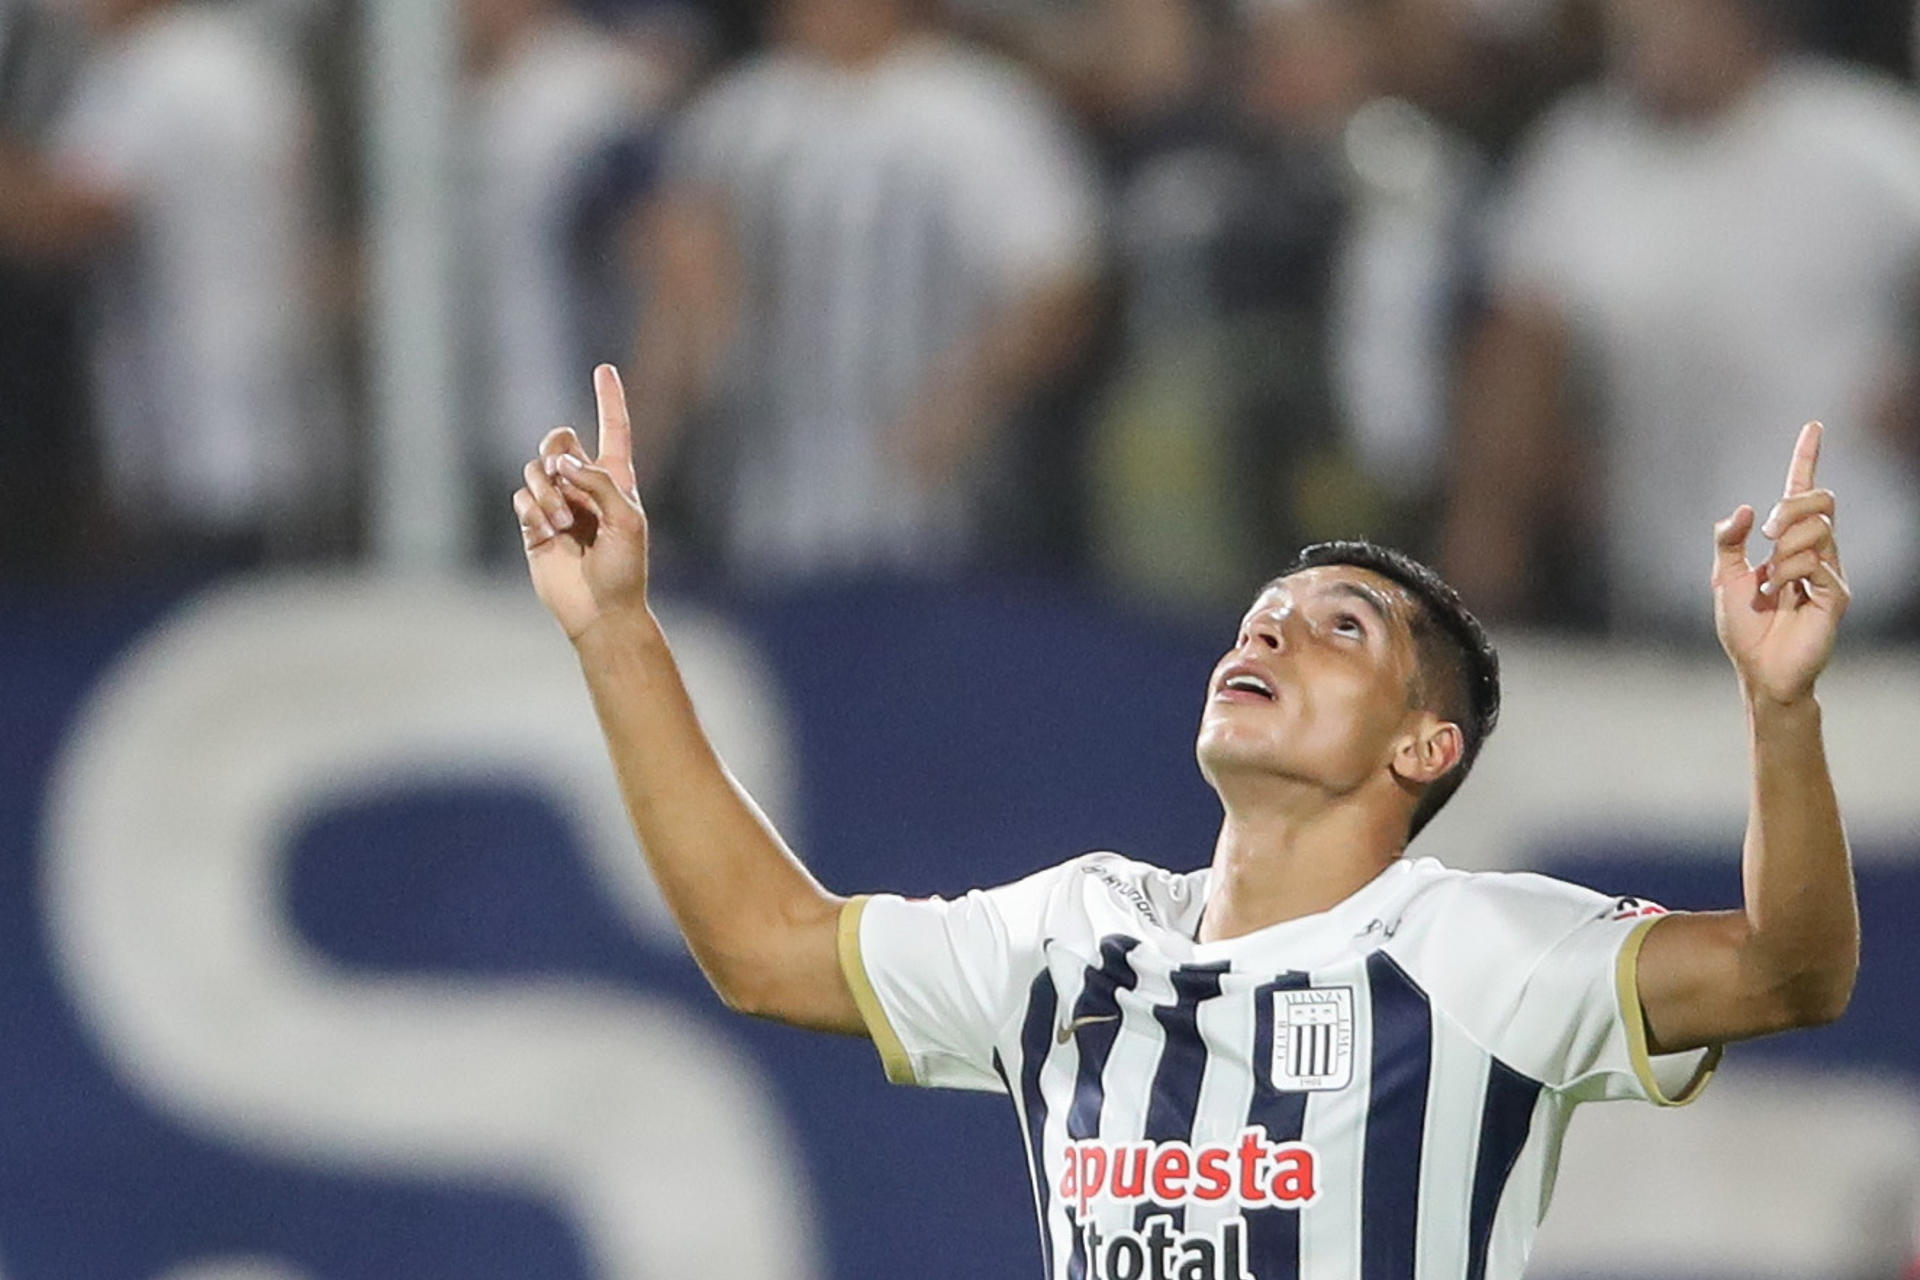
pixel 324 956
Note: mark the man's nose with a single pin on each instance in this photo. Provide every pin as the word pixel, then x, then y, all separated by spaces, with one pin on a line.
pixel 1268 630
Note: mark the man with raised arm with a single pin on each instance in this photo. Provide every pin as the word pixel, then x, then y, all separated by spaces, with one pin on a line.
pixel 1316 1057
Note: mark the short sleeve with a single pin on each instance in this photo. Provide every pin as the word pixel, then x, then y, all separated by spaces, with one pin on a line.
pixel 937 979
pixel 1577 1018
pixel 1552 990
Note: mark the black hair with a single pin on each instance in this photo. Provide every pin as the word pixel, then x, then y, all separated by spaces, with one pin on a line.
pixel 1459 670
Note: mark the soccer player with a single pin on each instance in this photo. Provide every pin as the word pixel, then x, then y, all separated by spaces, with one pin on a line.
pixel 1317 1058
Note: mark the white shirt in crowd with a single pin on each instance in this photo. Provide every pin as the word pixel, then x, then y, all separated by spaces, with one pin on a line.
pixel 881 216
pixel 1725 282
pixel 1375 1091
pixel 204 344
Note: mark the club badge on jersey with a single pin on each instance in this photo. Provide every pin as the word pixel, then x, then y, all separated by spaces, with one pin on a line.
pixel 1312 1039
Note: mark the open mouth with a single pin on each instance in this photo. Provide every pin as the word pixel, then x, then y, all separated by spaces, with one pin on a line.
pixel 1248 684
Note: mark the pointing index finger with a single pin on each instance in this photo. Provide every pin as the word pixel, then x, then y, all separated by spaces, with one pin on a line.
pixel 616 430
pixel 1806 455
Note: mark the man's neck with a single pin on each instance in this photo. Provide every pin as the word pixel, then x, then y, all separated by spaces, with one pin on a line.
pixel 1276 861
pixel 861 47
pixel 1716 97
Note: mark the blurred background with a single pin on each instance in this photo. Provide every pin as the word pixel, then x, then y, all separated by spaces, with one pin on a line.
pixel 985 357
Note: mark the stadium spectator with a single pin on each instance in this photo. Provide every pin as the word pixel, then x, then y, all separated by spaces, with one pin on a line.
pixel 1157 523
pixel 1415 182
pixel 875 243
pixel 1722 239
pixel 1291 265
pixel 178 173
pixel 559 120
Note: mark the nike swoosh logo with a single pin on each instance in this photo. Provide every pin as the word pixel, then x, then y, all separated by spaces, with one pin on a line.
pixel 1065 1033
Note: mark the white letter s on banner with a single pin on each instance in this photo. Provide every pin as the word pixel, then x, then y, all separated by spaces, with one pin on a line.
pixel 168 820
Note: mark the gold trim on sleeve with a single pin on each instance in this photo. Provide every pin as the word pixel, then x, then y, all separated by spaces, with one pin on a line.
pixel 893 1054
pixel 1627 982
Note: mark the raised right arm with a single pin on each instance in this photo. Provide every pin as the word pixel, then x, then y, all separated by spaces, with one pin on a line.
pixel 761 927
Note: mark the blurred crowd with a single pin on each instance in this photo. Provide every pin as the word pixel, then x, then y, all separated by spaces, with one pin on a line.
pixel 1143 293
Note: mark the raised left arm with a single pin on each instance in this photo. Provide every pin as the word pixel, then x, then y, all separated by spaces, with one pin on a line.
pixel 1788 957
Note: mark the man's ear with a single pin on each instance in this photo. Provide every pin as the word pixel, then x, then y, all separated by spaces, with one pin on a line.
pixel 1427 754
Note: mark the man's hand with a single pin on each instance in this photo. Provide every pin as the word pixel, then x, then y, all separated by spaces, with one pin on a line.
pixel 1777 620
pixel 580 519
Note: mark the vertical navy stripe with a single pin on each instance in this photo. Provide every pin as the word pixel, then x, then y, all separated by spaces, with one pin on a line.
pixel 1396 1121
pixel 1504 1123
pixel 1099 998
pixel 1175 1096
pixel 1273 1235
pixel 1042 1001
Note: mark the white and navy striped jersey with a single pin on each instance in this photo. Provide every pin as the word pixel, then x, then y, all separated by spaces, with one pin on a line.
pixel 1375 1092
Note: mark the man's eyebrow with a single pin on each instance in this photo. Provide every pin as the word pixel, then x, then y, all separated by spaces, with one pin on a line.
pixel 1365 594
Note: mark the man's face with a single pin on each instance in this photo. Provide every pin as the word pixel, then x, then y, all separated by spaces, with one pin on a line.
pixel 1317 686
pixel 1682 58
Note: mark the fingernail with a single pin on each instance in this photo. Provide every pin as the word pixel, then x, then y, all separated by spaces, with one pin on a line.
pixel 563 518
pixel 1766 588
pixel 550 465
pixel 567 462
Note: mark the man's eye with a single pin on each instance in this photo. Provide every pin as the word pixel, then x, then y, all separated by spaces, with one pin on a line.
pixel 1348 624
